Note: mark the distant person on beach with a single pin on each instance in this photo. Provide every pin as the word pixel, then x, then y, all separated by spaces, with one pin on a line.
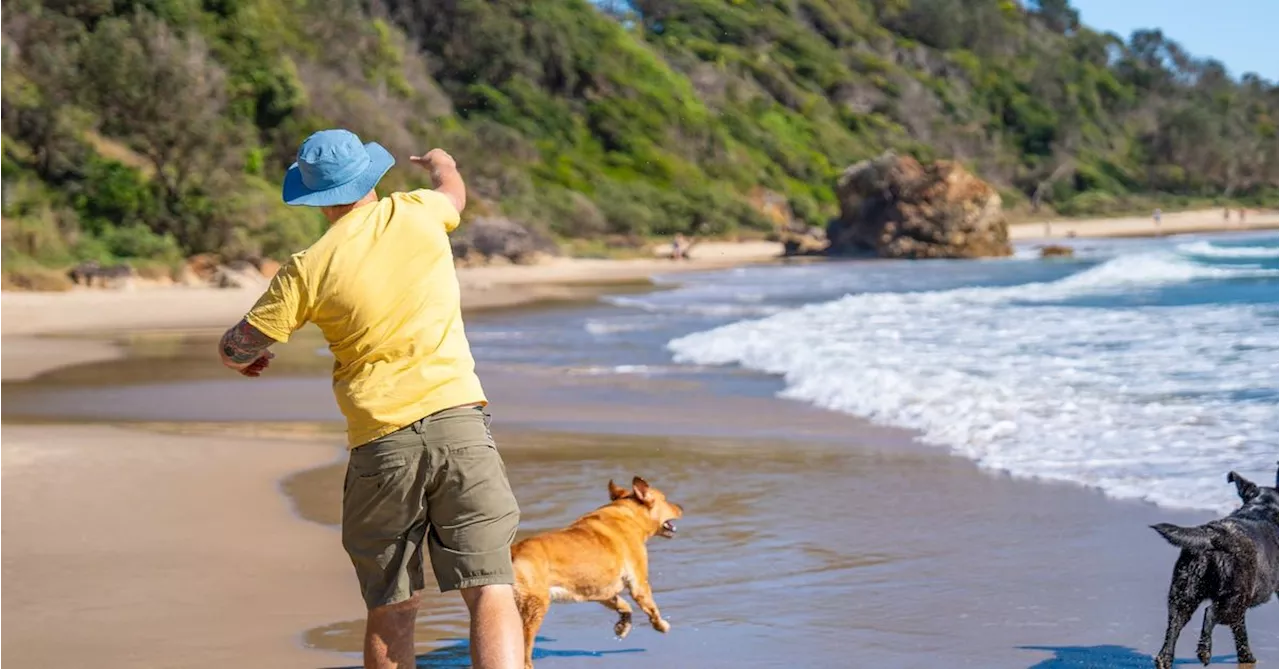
pixel 678 247
pixel 423 470
pixel 1156 216
pixel 1241 215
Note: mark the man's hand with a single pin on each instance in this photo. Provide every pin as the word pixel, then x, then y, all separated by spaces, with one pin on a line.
pixel 436 161
pixel 244 349
pixel 256 367
pixel 444 176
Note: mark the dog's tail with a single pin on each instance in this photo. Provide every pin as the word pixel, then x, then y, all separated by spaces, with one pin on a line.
pixel 1202 538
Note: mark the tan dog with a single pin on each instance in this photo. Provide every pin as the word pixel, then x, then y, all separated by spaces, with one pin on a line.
pixel 593 559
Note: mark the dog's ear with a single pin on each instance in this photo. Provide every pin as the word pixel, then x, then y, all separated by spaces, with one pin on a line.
pixel 616 491
pixel 640 488
pixel 1244 487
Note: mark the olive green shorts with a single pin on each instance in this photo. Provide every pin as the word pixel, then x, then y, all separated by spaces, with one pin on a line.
pixel 440 481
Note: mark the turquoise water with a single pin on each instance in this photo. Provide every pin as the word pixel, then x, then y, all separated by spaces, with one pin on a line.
pixel 1144 368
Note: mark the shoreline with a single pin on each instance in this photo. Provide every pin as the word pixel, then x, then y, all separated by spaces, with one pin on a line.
pixel 495 287
pixel 42 331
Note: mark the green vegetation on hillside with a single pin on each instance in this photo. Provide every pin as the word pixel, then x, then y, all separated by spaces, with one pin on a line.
pixel 154 129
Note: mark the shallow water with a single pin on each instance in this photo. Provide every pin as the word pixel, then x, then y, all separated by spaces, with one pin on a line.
pixel 1144 368
pixel 800 554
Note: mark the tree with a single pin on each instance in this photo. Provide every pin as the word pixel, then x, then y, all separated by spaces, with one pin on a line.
pixel 165 96
pixel 1057 15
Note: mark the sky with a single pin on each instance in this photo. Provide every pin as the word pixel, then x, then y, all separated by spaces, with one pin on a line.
pixel 1242 34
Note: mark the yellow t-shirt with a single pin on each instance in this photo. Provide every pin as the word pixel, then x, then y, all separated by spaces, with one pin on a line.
pixel 381 286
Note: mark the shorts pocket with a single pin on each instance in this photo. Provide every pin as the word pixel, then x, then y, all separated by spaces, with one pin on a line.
pixel 378 466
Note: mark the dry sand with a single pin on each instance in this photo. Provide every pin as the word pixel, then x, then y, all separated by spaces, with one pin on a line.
pixel 1171 223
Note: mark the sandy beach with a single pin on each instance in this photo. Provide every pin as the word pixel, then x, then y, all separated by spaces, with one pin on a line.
pixel 1171 223
pixel 126 548
pixel 159 512
pixel 907 557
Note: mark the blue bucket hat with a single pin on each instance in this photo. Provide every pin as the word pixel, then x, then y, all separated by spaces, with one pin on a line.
pixel 335 168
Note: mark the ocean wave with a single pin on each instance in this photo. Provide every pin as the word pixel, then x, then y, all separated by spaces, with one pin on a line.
pixel 721 309
pixel 1137 402
pixel 608 326
pixel 1210 250
pixel 1128 272
pixel 631 370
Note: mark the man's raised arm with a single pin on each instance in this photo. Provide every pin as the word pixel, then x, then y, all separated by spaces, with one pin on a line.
pixel 444 176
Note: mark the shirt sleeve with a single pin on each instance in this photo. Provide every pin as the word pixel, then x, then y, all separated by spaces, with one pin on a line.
pixel 285 306
pixel 438 206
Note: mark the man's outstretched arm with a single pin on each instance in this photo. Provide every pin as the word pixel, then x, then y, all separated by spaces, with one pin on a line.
pixel 244 349
pixel 444 176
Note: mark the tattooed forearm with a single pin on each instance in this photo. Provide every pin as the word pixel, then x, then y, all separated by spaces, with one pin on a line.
pixel 243 344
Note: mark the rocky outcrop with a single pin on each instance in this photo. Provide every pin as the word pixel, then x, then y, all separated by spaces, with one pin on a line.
pixel 894 207
pixel 1056 251
pixel 797 237
pixel 200 270
pixel 93 275
pixel 495 240
pixel 811 241
pixel 240 274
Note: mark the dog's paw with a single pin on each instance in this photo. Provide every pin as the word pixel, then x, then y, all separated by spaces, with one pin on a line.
pixel 622 628
pixel 662 625
pixel 1245 658
pixel 1204 654
pixel 1163 662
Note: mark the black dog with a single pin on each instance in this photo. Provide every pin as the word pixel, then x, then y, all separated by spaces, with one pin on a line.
pixel 1231 562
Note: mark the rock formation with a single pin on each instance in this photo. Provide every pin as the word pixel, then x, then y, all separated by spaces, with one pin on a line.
pixel 894 207
pixel 1056 251
pixel 490 239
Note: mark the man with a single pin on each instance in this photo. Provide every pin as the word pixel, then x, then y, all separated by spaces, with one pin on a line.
pixel 423 468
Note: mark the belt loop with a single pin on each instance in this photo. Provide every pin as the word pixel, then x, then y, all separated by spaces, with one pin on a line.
pixel 417 425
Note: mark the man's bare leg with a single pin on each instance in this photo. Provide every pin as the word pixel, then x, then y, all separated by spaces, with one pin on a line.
pixel 497 638
pixel 388 635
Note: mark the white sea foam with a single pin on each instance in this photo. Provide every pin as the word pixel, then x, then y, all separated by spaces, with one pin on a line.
pixel 1129 272
pixel 713 309
pixel 1209 250
pixel 615 325
pixel 1143 403
pixel 631 370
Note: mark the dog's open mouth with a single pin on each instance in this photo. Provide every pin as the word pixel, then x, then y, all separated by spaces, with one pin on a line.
pixel 668 529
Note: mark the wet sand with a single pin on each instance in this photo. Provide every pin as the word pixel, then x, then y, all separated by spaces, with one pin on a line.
pixel 125 548
pixel 798 555
pixel 811 539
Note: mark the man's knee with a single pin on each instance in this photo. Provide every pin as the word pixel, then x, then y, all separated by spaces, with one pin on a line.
pixel 495 592
pixel 398 613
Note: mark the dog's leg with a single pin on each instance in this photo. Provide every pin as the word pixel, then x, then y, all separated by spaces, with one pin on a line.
pixel 533 609
pixel 623 626
pixel 1204 649
pixel 1178 618
pixel 640 592
pixel 1243 654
